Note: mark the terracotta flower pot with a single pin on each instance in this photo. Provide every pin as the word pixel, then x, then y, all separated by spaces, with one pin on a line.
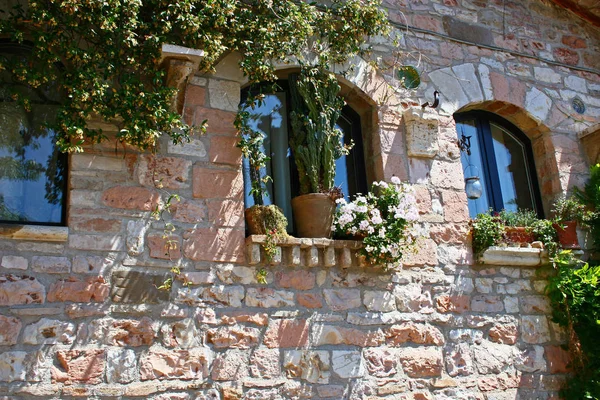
pixel 567 236
pixel 313 215
pixel 518 235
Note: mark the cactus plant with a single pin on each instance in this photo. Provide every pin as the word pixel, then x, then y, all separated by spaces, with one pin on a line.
pixel 315 141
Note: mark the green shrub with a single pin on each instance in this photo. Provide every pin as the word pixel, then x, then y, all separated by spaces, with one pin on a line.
pixel 575 297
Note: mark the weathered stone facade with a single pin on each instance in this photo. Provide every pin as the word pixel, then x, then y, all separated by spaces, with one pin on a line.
pixel 81 314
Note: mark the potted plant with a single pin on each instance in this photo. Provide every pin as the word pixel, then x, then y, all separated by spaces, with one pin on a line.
pixel 260 219
pixel 518 226
pixel 568 211
pixel 383 218
pixel 316 144
pixel 487 230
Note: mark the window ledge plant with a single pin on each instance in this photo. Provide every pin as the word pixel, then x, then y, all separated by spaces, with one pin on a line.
pixel 384 218
pixel 492 229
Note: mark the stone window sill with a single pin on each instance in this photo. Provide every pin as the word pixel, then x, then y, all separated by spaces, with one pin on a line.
pixel 518 256
pixel 34 232
pixel 307 252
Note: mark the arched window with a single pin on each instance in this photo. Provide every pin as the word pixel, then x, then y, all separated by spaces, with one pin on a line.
pixel 272 118
pixel 32 170
pixel 501 155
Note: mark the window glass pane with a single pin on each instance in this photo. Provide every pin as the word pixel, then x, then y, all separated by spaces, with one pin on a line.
pixel 31 169
pixel 473 166
pixel 341 170
pixel 514 175
pixel 271 118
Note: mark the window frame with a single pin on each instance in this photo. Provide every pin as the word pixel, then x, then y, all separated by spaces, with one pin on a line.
pixel 353 120
pixel 8 46
pixel 483 120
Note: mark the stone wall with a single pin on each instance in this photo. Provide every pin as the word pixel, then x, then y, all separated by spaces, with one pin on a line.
pixel 81 314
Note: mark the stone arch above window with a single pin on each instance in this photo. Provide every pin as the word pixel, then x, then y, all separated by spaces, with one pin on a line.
pixel 368 93
pixel 559 161
pixel 501 156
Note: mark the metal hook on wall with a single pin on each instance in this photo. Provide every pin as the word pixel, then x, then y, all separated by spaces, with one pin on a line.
pixel 436 101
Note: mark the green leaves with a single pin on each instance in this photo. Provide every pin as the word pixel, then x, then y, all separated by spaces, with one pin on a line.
pixel 574 293
pixel 111 49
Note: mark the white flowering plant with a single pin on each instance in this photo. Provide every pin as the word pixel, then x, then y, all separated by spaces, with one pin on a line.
pixel 384 217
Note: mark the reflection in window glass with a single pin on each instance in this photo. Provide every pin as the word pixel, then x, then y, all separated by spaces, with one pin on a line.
pixel 32 171
pixel 473 165
pixel 512 170
pixel 270 118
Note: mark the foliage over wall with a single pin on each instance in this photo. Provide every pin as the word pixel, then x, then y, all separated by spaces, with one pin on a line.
pixel 110 50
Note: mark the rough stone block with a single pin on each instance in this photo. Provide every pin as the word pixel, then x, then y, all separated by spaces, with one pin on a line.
pixel 487 304
pixel 20 366
pixel 10 327
pixel 347 363
pixel 296 279
pixel 136 231
pixel 413 297
pixel 238 337
pixel 189 211
pixel 416 333
pixel 504 333
pixel 217 183
pixel 101 225
pixel 20 290
pixel 265 363
pixel 311 366
pixel 334 335
pixel 224 245
pixel 492 358
pixel 163 172
pixel 131 198
pixel 534 329
pixel 230 366
pixel 121 366
pixel 216 295
pixel 14 262
pixel 227 213
pixel 175 364
pixel 51 265
pixel 224 95
pixel 75 290
pixel 381 362
pixel 285 333
pixel 91 264
pixel 165 248
pixel 379 301
pixel 267 298
pixel 224 150
pixel 309 300
pixel 342 299
pixel 79 366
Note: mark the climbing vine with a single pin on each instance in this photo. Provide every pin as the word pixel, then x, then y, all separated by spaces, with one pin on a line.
pixel 109 53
